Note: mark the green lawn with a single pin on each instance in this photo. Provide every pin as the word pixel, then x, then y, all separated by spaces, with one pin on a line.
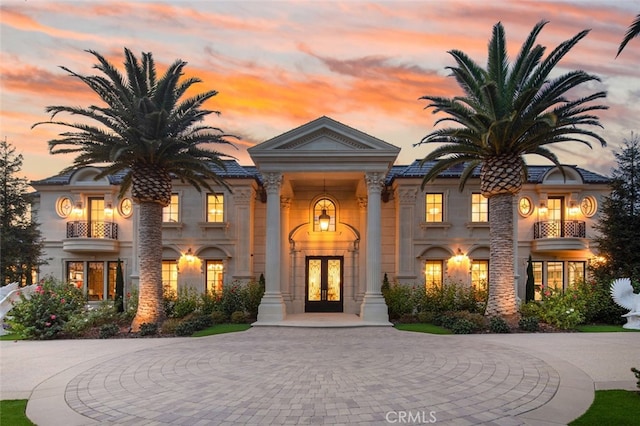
pixel 221 328
pixel 612 408
pixel 601 328
pixel 10 337
pixel 12 412
pixel 423 328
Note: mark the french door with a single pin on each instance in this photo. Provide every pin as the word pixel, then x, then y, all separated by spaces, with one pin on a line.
pixel 324 284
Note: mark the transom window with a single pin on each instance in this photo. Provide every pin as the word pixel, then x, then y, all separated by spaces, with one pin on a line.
pixel 170 213
pixel 324 206
pixel 433 274
pixel 215 208
pixel 479 208
pixel 433 207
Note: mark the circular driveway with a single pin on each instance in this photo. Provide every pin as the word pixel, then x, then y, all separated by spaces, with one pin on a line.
pixel 276 375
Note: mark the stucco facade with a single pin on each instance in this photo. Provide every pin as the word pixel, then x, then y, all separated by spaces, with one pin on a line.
pixel 381 221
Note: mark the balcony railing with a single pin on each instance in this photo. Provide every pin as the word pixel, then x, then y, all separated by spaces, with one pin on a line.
pixel 84 229
pixel 560 229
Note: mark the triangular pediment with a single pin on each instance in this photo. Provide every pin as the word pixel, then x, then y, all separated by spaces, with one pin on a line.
pixel 322 141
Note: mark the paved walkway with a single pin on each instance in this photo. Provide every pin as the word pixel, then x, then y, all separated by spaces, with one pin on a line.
pixel 289 375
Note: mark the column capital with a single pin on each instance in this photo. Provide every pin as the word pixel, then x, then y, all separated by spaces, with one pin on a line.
pixel 272 182
pixel 243 195
pixel 285 203
pixel 375 181
pixel 362 202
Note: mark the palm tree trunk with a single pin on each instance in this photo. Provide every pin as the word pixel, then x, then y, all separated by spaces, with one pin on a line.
pixel 150 254
pixel 502 295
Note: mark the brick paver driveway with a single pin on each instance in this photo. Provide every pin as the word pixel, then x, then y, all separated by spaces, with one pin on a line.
pixel 315 376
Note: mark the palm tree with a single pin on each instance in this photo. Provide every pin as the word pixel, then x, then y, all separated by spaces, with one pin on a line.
pixel 632 32
pixel 507 111
pixel 147 132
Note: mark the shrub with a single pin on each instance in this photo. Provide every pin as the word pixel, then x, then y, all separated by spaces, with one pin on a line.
pixel 148 329
pixel 562 310
pixel 399 299
pixel 91 316
pixel 238 317
pixel 529 323
pixel 599 306
pixel 232 299
pixel 463 326
pixel 530 309
pixel 43 315
pixel 131 305
pixel 169 326
pixel 252 295
pixel 637 374
pixel 218 317
pixel 451 296
pixel 407 319
pixel 185 328
pixel 184 303
pixel 109 330
pixel 498 325
pixel 426 317
pixel 208 302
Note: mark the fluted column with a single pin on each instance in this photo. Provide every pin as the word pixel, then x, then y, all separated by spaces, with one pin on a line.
pixel 285 287
pixel 374 308
pixel 272 308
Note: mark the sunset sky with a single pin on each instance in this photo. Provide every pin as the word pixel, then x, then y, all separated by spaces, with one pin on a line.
pixel 280 64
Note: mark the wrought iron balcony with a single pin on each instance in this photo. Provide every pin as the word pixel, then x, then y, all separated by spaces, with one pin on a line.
pixel 560 229
pixel 84 229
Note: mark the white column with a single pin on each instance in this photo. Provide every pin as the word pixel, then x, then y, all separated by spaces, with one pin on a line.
pixel 285 283
pixel 272 308
pixel 374 308
pixel 362 261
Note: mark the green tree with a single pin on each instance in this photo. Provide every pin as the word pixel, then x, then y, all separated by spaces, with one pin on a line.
pixel 619 223
pixel 530 291
pixel 20 239
pixel 632 32
pixel 147 129
pixel 508 111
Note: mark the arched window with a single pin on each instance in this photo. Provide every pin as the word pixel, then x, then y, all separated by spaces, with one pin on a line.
pixel 322 207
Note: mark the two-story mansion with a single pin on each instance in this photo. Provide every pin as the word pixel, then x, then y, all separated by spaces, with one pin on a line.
pixel 323 214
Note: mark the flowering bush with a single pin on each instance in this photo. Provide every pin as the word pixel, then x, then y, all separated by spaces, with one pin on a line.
pixel 44 314
pixel 562 309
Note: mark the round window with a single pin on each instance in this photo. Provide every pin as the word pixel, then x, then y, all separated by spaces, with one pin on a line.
pixel 126 207
pixel 525 206
pixel 589 206
pixel 64 206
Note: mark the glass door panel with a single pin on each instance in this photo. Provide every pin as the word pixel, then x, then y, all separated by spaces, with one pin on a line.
pixel 324 284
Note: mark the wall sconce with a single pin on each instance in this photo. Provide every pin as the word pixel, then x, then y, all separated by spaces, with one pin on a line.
pixel 573 208
pixel 189 256
pixel 459 256
pixel 77 208
pixel 543 207
pixel 108 209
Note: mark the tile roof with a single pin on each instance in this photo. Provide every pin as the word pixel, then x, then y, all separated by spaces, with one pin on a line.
pixel 413 170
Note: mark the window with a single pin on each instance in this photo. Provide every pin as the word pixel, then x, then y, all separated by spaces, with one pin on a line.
pixel 433 207
pixel 95 281
pixel 215 208
pixel 75 273
pixel 433 274
pixel 170 276
pixel 554 275
pixel 479 208
pixel 215 276
pixel 479 274
pixel 537 279
pixel 325 206
pixel 575 272
pixel 170 213
pixel 64 207
pixel 112 269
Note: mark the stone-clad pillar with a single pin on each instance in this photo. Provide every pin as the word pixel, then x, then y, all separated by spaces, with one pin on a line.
pixel 272 308
pixel 374 308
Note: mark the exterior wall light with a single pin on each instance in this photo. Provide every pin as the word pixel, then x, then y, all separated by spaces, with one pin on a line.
pixel 324 220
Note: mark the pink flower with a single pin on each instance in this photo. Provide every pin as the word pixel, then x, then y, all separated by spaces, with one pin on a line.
pixel 62 301
pixel 53 317
pixel 39 289
pixel 547 293
pixel 48 324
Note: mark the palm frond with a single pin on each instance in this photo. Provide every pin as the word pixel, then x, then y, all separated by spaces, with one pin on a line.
pixel 632 32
